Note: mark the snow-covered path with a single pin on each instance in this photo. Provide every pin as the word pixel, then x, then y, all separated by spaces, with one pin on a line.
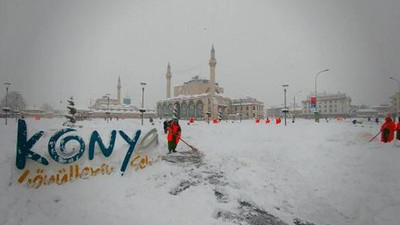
pixel 325 173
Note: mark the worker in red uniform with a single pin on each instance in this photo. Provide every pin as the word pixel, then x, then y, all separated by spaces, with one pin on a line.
pixel 387 129
pixel 174 135
pixel 398 130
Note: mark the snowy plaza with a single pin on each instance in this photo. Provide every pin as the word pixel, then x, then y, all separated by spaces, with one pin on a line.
pixel 244 173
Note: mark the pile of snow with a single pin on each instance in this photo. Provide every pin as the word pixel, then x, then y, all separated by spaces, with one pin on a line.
pixel 245 173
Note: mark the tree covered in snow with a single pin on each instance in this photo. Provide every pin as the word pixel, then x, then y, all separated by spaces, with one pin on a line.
pixel 71 110
pixel 219 114
pixel 175 112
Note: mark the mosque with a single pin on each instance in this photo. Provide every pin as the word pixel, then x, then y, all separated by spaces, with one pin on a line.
pixel 204 99
pixel 107 107
pixel 106 102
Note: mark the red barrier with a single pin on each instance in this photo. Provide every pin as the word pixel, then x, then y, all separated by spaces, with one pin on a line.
pixel 215 120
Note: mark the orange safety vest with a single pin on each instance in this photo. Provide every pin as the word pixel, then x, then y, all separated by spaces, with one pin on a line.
pixel 174 132
pixel 392 128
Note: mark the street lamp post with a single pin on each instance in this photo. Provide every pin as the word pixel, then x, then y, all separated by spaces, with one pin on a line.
pixel 142 110
pixel 294 103
pixel 240 114
pixel 285 110
pixel 6 109
pixel 316 101
pixel 108 108
pixel 208 116
pixel 397 96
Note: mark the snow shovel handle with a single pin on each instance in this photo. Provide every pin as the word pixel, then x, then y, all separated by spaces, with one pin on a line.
pixel 375 136
pixel 193 148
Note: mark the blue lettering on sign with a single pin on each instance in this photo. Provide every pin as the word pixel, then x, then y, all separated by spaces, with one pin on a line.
pixel 132 143
pixel 96 138
pixel 24 147
pixel 62 156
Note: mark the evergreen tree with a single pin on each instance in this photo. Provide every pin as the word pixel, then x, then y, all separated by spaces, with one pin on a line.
pixel 71 120
pixel 175 112
pixel 219 114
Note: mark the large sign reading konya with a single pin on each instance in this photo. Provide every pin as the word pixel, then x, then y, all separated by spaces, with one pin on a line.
pixel 65 155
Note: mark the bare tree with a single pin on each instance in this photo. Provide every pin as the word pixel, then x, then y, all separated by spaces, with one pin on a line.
pixel 15 101
pixel 47 107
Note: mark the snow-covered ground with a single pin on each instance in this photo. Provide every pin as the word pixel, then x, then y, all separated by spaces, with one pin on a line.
pixel 245 173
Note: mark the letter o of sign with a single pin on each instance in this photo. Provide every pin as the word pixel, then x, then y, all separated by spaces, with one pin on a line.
pixel 62 156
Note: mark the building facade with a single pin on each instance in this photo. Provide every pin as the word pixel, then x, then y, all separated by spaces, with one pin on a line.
pixel 247 108
pixel 328 105
pixel 395 101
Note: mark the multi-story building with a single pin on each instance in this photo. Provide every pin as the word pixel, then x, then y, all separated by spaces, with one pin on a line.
pixel 395 101
pixel 274 111
pixel 328 105
pixel 248 108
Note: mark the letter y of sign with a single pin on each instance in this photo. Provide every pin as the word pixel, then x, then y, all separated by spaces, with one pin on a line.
pixel 132 144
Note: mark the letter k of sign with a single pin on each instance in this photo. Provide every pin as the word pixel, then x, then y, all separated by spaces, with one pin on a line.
pixel 24 146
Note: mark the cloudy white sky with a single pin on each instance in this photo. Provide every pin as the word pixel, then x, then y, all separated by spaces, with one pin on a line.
pixel 52 49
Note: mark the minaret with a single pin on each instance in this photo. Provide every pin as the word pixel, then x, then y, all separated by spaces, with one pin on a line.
pixel 168 75
pixel 119 90
pixel 213 63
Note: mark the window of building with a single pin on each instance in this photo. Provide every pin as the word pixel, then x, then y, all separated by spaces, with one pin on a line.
pixel 247 108
pixel 254 108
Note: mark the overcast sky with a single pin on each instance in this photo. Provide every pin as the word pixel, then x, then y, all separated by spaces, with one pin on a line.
pixel 52 49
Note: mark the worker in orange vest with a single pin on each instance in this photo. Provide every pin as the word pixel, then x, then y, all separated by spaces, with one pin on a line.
pixel 398 130
pixel 387 129
pixel 174 135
